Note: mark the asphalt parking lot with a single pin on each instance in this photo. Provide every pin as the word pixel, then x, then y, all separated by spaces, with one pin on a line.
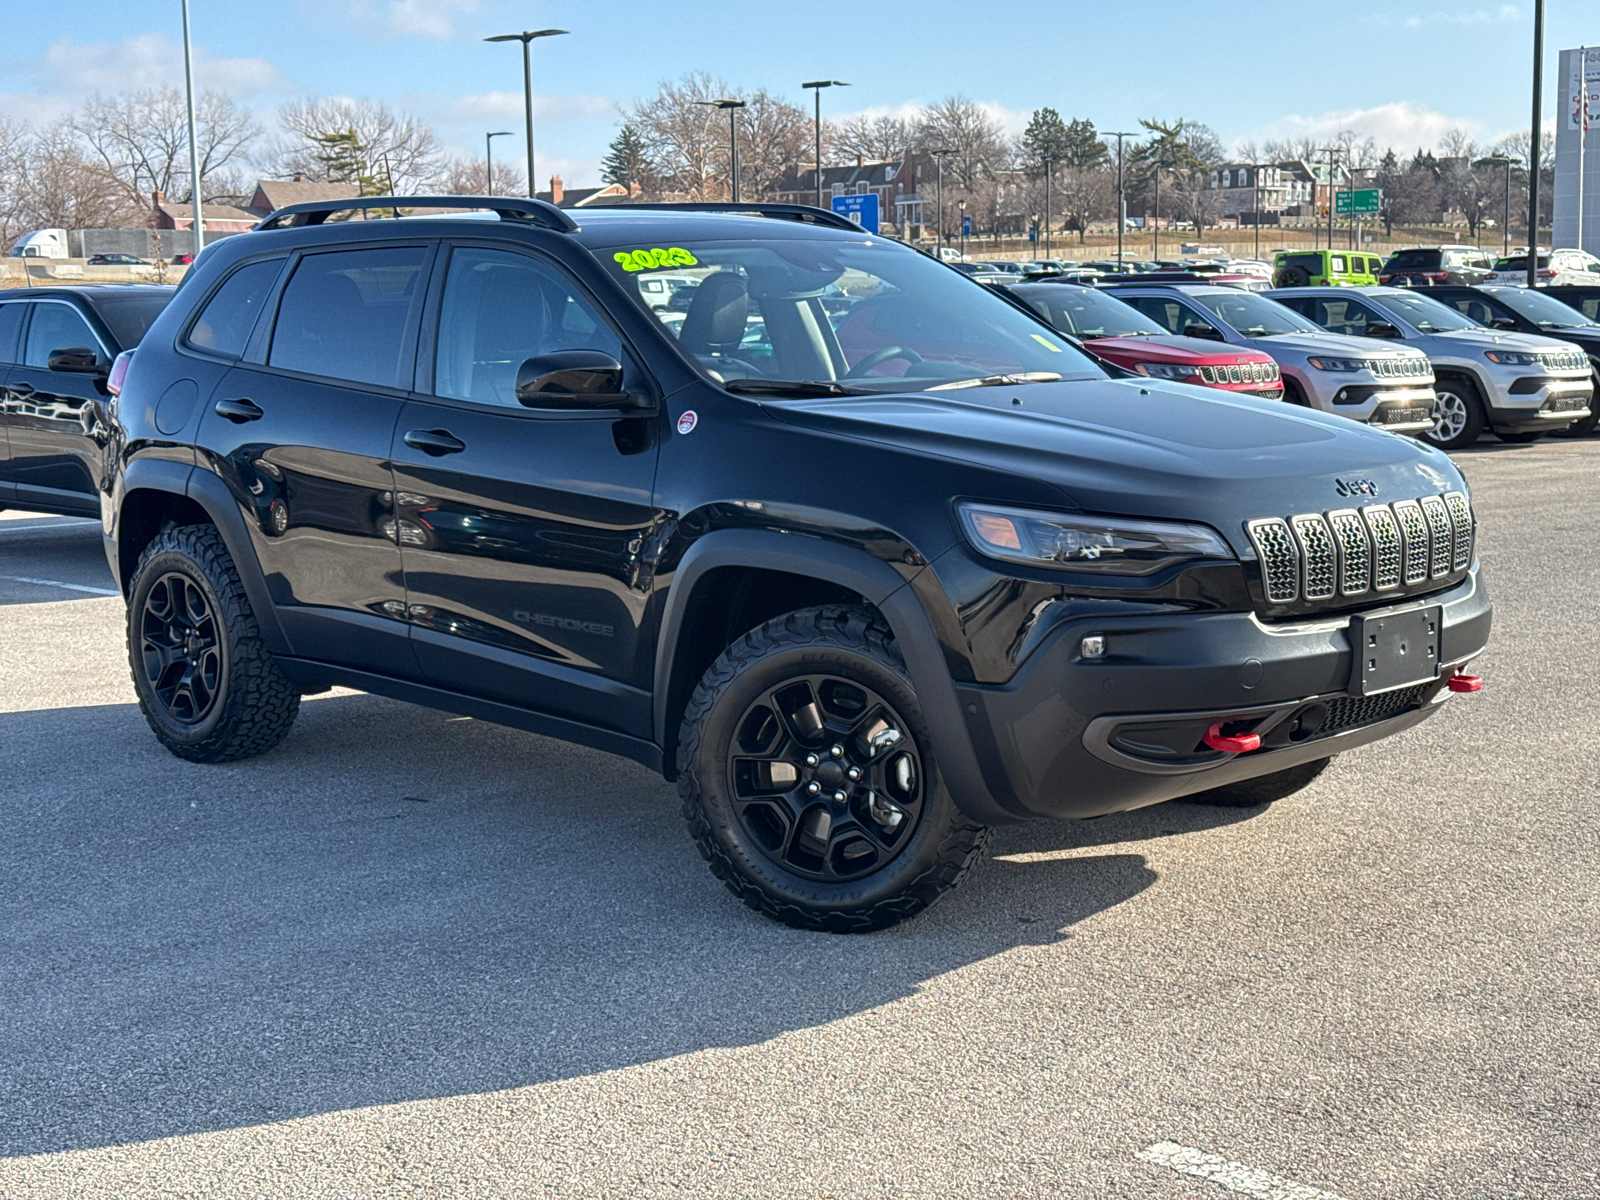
pixel 411 955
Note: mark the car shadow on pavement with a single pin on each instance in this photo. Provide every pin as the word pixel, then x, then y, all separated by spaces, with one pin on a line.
pixel 398 905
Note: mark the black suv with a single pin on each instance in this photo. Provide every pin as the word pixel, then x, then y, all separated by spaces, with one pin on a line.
pixel 1425 266
pixel 863 581
pixel 57 346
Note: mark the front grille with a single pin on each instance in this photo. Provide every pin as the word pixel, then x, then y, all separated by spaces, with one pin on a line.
pixel 1400 367
pixel 1563 360
pixel 1565 404
pixel 1249 372
pixel 1347 712
pixel 1311 557
pixel 1402 414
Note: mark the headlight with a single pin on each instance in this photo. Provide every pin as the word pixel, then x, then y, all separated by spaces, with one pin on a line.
pixel 1167 371
pixel 1110 545
pixel 1511 358
pixel 1338 364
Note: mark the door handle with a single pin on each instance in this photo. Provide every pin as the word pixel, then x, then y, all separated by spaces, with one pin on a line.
pixel 435 442
pixel 239 411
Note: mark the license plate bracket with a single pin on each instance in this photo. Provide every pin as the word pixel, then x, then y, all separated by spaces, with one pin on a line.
pixel 1395 649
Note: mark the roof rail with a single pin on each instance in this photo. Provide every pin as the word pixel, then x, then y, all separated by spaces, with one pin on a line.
pixel 507 208
pixel 808 213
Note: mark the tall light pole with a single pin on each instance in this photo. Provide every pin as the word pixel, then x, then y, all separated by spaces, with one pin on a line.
pixel 1535 130
pixel 818 85
pixel 195 193
pixel 1255 178
pixel 962 205
pixel 1122 204
pixel 527 84
pixel 1049 169
pixel 1506 161
pixel 488 157
pixel 733 107
pixel 940 156
pixel 1332 152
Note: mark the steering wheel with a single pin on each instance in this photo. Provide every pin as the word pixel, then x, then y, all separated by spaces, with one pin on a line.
pixel 882 356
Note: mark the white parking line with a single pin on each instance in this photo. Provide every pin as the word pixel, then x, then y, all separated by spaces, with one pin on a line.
pixel 71 587
pixel 1237 1177
pixel 28 525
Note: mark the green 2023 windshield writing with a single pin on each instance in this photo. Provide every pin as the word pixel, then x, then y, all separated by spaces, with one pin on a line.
pixel 654 260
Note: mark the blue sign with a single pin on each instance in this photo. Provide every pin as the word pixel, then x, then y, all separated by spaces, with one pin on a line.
pixel 966 226
pixel 863 210
pixel 1033 234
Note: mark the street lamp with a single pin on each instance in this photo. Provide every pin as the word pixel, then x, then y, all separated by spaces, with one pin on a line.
pixel 940 156
pixel 962 205
pixel 818 85
pixel 1536 130
pixel 733 138
pixel 488 157
pixel 195 193
pixel 1049 169
pixel 1501 160
pixel 1122 204
pixel 527 83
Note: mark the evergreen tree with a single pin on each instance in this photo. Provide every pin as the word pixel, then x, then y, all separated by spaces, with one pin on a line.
pixel 626 161
pixel 1045 137
pixel 1082 147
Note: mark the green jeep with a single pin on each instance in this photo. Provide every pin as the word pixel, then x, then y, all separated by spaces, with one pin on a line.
pixel 1323 268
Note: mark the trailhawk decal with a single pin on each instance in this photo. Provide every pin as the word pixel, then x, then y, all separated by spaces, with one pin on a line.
pixel 654 260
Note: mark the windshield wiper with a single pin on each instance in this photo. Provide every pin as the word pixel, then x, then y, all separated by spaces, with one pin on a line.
pixel 999 380
pixel 792 387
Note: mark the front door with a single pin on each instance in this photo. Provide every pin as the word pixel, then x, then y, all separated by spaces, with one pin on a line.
pixel 54 463
pixel 300 430
pixel 526 534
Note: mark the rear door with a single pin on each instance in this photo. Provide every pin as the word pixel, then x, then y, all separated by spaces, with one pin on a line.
pixel 527 534
pixel 54 463
pixel 299 429
pixel 11 320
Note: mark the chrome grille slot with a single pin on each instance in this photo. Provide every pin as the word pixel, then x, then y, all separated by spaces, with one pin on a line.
pixel 1461 520
pixel 1441 530
pixel 1414 531
pixel 1388 547
pixel 1355 552
pixel 1317 556
pixel 1280 561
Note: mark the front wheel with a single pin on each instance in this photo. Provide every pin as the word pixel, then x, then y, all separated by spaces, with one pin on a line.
pixel 206 684
pixel 809 781
pixel 1458 415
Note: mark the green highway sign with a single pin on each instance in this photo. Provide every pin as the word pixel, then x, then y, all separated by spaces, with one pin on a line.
pixel 1355 204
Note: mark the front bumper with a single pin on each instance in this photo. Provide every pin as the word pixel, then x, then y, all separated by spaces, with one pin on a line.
pixel 1068 737
pixel 1542 401
pixel 1399 409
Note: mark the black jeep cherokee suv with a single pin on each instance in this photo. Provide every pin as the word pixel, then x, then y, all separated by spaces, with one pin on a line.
pixel 864 579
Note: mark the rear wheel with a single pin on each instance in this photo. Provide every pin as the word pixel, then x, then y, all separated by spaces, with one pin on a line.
pixel 1263 790
pixel 1292 277
pixel 1458 415
pixel 808 777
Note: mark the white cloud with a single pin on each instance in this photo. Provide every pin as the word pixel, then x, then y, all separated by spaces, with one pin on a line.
pixel 506 105
pixel 434 19
pixel 1401 124
pixel 74 71
pixel 1471 16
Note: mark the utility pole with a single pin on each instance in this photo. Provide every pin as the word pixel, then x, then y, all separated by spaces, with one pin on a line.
pixel 1535 131
pixel 488 158
pixel 195 192
pixel 940 156
pixel 818 85
pixel 1049 169
pixel 527 86
pixel 1332 152
pixel 1122 205
pixel 962 205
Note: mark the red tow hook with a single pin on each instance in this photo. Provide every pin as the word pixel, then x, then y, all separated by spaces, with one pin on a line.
pixel 1242 744
pixel 1464 683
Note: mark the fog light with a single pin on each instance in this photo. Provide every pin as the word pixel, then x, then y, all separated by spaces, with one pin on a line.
pixel 1093 647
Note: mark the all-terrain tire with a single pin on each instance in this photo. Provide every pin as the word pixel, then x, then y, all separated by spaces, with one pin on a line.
pixel 252 704
pixel 1252 793
pixel 853 642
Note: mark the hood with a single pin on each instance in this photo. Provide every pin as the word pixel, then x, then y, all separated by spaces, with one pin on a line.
pixel 1502 339
pixel 1336 344
pixel 1173 348
pixel 1143 448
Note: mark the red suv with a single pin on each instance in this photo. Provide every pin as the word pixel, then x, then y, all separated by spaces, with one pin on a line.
pixel 1123 335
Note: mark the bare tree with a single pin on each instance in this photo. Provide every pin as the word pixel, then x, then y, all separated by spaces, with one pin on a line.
pixel 1300 149
pixel 876 139
pixel 684 140
pixel 142 139
pixel 56 186
pixel 349 141
pixel 13 137
pixel 470 177
pixel 957 123
pixel 773 136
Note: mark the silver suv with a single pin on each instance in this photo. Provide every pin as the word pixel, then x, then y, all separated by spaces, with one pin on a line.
pixel 1520 385
pixel 1362 378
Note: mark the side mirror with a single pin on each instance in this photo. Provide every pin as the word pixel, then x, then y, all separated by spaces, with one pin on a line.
pixel 78 360
pixel 573 379
pixel 1382 329
pixel 1203 331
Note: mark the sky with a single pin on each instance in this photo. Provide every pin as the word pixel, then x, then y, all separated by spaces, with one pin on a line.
pixel 1402 72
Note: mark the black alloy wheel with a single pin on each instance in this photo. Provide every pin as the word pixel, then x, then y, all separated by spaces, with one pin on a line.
pixel 178 649
pixel 824 779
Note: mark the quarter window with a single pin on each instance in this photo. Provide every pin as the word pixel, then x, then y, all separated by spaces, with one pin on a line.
pixel 228 317
pixel 56 327
pixel 343 314
pixel 500 308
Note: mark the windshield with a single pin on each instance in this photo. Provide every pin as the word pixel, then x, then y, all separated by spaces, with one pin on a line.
pixel 1426 314
pixel 1546 311
pixel 871 316
pixel 1086 313
pixel 1255 316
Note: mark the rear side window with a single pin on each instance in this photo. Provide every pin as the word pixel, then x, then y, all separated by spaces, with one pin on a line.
pixel 1169 314
pixel 1336 265
pixel 10 326
pixel 343 314
pixel 225 322
pixel 1306 262
pixel 56 327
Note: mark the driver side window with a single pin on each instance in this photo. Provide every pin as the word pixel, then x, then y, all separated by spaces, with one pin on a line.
pixel 500 308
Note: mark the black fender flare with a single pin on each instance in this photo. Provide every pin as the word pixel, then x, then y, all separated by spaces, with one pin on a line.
pixel 882 587
pixel 211 494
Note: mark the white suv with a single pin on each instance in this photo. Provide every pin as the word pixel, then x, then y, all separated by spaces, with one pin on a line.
pixel 1555 268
